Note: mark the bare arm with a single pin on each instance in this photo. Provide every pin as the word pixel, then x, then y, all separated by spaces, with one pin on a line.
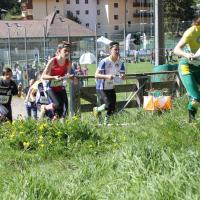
pixel 178 50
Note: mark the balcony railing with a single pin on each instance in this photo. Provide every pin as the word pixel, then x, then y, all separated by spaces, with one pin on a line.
pixel 138 4
pixel 143 14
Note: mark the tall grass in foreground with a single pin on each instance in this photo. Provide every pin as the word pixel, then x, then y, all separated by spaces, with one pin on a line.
pixel 156 156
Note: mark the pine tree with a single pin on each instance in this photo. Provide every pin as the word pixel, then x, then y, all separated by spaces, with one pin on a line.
pixel 177 14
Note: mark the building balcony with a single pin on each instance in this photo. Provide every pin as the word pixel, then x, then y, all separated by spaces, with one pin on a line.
pixel 143 14
pixel 145 4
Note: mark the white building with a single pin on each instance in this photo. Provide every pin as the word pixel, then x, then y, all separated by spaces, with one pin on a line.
pixel 85 10
pixel 42 8
pixel 109 16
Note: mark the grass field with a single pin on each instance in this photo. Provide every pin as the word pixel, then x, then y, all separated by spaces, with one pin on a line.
pixel 140 156
pixel 130 68
pixel 155 156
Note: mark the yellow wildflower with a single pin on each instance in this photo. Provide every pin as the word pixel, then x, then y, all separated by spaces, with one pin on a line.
pixel 43 126
pixel 58 133
pixel 26 144
pixel 12 135
pixel 40 139
pixel 75 118
pixel 21 133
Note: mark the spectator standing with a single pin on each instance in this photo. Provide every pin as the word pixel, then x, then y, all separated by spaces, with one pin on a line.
pixel 171 55
pixel 14 72
pixel 167 56
pixel 85 73
pixel 19 75
pixel 74 66
pixel 79 72
pixel 152 57
pixel 136 55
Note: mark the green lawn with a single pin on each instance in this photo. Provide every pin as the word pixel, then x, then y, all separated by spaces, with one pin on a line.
pixel 140 156
pixel 154 156
pixel 130 67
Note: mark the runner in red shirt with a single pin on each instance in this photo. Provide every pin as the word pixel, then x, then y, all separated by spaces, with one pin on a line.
pixel 56 70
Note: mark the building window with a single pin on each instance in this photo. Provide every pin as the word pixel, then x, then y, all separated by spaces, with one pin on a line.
pixel 87 12
pixel 68 12
pixel 87 25
pixel 115 5
pixel 57 0
pixel 78 12
pixel 98 12
pixel 98 25
pixel 68 1
pixel 97 2
pixel 116 28
pixel 115 17
pixel 57 11
pixel 77 1
pixel 86 1
pixel 129 23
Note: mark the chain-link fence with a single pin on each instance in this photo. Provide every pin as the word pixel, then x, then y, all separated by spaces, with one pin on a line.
pixel 34 52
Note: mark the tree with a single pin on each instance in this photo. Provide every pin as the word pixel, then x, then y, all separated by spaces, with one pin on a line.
pixel 176 13
pixel 12 6
pixel 9 4
pixel 72 17
pixel 197 1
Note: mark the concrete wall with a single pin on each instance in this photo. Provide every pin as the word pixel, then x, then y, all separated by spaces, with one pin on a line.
pixel 42 8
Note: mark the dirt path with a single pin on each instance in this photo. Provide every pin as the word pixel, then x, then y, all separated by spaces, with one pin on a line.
pixel 18 107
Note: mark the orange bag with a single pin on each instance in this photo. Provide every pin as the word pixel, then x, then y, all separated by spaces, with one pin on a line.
pixel 157 103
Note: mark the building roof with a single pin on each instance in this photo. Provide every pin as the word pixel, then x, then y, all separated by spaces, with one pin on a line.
pixel 54 25
pixel 62 26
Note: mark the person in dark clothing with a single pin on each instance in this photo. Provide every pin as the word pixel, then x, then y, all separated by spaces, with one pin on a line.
pixel 8 88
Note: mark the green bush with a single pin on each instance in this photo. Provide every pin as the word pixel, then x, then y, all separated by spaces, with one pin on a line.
pixel 31 135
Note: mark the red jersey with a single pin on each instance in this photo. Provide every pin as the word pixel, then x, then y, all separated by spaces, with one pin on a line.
pixel 58 70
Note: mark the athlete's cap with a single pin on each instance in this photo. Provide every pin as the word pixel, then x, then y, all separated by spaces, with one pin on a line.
pixel 64 45
pixel 112 44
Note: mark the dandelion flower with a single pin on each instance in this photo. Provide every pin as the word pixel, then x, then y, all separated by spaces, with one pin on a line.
pixel 26 144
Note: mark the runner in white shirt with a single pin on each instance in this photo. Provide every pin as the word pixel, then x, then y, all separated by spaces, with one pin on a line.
pixel 109 71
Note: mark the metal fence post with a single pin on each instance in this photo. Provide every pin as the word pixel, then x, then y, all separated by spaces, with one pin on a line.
pixel 74 90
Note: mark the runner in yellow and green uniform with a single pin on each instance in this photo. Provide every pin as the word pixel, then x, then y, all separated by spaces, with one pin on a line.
pixel 189 67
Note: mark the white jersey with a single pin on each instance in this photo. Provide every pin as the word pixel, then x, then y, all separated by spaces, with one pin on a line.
pixel 108 67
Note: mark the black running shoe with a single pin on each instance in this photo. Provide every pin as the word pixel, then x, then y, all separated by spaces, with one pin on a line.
pixel 192 114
